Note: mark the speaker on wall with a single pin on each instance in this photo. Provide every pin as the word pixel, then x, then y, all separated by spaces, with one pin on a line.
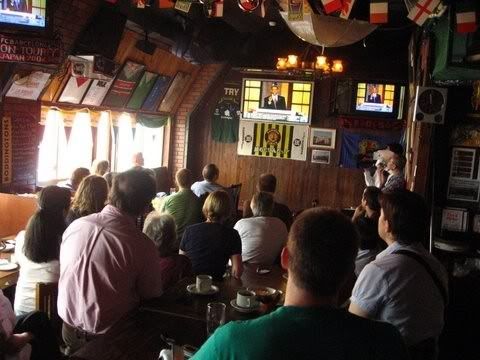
pixel 430 105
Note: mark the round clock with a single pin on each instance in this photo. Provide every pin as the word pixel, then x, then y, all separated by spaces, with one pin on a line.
pixel 431 101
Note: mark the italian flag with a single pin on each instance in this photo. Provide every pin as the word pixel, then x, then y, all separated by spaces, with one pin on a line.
pixel 466 17
pixel 378 11
pixel 332 5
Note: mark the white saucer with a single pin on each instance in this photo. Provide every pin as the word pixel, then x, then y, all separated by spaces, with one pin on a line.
pixel 243 309
pixel 8 247
pixel 8 267
pixel 192 289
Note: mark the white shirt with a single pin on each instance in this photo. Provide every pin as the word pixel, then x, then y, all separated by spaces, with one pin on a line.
pixel 30 274
pixel 202 187
pixel 262 238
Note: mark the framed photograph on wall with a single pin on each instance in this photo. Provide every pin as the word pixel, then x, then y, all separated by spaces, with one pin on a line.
pixel 321 156
pixel 322 138
pixel 124 84
pixel 96 92
pixel 156 93
pixel 142 90
pixel 176 88
pixel 28 85
pixel 74 90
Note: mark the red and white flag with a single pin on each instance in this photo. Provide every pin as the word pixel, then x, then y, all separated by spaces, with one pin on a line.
pixel 378 11
pixel 347 6
pixel 217 10
pixel 332 5
pixel 422 10
pixel 466 17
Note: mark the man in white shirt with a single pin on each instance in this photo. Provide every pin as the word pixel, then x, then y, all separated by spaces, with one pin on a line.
pixel 263 236
pixel 209 184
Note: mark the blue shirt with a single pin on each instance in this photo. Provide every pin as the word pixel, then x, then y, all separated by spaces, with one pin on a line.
pixel 202 187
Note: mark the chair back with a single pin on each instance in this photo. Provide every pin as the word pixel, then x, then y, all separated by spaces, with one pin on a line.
pixel 46 295
pixel 235 191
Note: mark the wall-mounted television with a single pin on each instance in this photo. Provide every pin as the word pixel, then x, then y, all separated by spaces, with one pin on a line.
pixel 24 15
pixel 370 98
pixel 288 101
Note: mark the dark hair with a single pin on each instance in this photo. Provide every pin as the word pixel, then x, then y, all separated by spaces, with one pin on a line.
pixel 45 228
pixel 100 167
pixel 109 178
pixel 407 215
pixel 210 172
pixel 395 148
pixel 91 196
pixel 399 161
pixel 183 177
pixel 322 245
pixel 132 191
pixel 262 204
pixel 267 182
pixel 371 196
pixel 77 177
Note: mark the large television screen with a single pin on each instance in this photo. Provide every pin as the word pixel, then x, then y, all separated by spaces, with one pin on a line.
pixel 287 101
pixel 24 14
pixel 375 97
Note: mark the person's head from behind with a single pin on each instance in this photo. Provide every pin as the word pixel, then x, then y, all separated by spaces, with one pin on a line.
pixel 370 198
pixel 91 195
pixel 321 250
pixel 210 172
pixel 262 204
pixel 77 176
pixel 100 167
pixel 396 163
pixel 217 206
pixel 109 178
pixel 403 218
pixel 183 178
pixel 267 182
pixel 137 159
pixel 396 148
pixel 132 191
pixel 44 230
pixel 161 229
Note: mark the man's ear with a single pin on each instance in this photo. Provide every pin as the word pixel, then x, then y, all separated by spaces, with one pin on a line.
pixel 285 258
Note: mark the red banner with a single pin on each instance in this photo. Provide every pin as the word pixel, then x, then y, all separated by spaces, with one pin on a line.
pixel 371 124
pixel 27 50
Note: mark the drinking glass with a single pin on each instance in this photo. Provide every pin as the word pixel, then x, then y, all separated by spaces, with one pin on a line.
pixel 215 316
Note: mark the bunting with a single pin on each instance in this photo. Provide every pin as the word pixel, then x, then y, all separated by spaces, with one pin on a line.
pixel 466 17
pixel 331 6
pixel 378 11
pixel 347 6
pixel 422 10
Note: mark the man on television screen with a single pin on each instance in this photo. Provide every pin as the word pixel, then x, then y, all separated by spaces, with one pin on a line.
pixel 373 96
pixel 274 101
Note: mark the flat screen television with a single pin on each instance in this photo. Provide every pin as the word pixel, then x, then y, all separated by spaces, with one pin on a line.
pixel 288 101
pixel 25 15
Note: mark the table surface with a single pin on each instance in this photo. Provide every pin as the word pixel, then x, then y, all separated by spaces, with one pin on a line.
pixel 8 278
pixel 178 315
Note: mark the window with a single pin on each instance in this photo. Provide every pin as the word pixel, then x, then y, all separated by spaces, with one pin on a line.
pixel 301 98
pixel 252 99
pixel 149 141
pixel 80 144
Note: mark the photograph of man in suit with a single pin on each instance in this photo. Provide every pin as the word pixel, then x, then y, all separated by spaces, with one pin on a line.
pixel 274 101
pixel 373 96
pixel 17 5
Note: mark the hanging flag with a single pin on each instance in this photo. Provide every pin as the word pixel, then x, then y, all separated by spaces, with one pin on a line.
pixel 422 10
pixel 378 11
pixel 166 4
pixel 466 17
pixel 140 4
pixel 332 5
pixel 217 10
pixel 347 6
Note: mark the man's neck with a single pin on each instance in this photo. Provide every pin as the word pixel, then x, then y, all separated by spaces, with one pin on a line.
pixel 296 296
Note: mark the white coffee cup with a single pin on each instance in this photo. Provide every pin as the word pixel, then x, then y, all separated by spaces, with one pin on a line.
pixel 203 283
pixel 246 299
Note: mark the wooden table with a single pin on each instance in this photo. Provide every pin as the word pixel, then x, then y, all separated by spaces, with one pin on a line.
pixel 178 315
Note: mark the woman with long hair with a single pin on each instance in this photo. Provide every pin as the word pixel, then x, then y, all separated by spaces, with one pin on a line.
pixel 37 248
pixel 90 198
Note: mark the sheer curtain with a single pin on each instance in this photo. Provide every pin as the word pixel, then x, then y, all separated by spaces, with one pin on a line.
pixel 125 144
pixel 80 144
pixel 103 136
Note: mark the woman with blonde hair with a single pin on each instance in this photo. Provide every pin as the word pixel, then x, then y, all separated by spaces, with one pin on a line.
pixel 90 198
pixel 209 245
pixel 100 167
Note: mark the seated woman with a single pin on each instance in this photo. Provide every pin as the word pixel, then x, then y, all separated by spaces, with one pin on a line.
pixel 161 229
pixel 37 248
pixel 90 198
pixel 365 220
pixel 100 167
pixel 209 245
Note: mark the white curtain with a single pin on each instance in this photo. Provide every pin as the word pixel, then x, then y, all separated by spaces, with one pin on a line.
pixel 125 144
pixel 103 136
pixel 80 144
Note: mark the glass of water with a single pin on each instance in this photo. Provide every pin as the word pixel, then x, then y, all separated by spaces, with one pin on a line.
pixel 215 316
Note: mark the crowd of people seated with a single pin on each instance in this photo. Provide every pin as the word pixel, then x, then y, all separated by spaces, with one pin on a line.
pixel 342 273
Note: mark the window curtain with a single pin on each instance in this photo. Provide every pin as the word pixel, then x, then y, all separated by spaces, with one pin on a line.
pixel 80 144
pixel 103 136
pixel 152 121
pixel 125 144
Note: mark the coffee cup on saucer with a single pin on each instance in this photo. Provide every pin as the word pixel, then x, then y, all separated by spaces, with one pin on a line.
pixel 203 283
pixel 246 299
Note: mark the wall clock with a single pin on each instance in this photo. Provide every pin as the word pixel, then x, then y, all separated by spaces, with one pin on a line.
pixel 430 105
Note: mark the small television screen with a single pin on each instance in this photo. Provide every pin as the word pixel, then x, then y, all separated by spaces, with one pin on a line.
pixel 277 100
pixel 375 97
pixel 24 14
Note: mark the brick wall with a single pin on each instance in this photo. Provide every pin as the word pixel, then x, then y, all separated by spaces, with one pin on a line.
pixel 179 137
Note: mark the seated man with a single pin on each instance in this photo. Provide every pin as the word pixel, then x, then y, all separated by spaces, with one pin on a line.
pixel 405 285
pixel 184 205
pixel 263 236
pixel 396 177
pixel 107 265
pixel 319 257
pixel 268 183
pixel 208 185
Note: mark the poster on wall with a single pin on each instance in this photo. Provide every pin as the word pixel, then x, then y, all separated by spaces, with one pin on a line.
pixel 74 90
pixel 124 84
pixel 282 141
pixel 96 92
pixel 142 90
pixel 176 88
pixel 464 181
pixel 156 93
pixel 357 149
pixel 226 116
pixel 29 86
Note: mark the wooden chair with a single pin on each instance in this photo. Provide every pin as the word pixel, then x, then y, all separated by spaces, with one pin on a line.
pixel 46 295
pixel 234 190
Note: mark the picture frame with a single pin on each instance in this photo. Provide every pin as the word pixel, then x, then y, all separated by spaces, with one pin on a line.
pixel 142 90
pixel 157 92
pixel 124 84
pixel 74 90
pixel 174 91
pixel 97 92
pixel 321 156
pixel 28 85
pixel 322 138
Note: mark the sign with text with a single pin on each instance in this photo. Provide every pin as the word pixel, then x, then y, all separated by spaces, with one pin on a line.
pixel 6 150
pixel 39 51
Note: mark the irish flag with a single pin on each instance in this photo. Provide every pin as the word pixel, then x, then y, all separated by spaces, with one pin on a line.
pixel 378 11
pixel 332 5
pixel 466 17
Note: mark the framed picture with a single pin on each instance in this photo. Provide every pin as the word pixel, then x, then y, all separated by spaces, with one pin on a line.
pixel 156 93
pixel 322 138
pixel 142 90
pixel 321 156
pixel 74 90
pixel 124 85
pixel 176 88
pixel 96 92
pixel 28 85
